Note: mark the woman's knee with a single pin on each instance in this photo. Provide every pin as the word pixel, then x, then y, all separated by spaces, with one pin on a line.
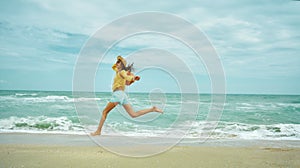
pixel 104 113
pixel 133 115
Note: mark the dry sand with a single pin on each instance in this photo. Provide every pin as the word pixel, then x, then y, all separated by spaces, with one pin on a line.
pixel 179 156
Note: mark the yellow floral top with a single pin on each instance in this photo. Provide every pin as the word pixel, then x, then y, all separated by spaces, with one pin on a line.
pixel 120 78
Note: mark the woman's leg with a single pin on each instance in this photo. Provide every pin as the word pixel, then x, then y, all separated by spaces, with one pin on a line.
pixel 133 114
pixel 107 109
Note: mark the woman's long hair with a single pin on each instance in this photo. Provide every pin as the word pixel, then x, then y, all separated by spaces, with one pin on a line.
pixel 129 67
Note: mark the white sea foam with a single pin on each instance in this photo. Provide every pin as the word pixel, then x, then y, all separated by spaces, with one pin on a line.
pixel 229 130
pixel 40 124
pixel 188 129
pixel 44 99
pixel 26 94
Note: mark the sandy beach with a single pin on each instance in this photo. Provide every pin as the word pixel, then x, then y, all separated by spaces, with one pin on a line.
pixel 46 150
pixel 14 155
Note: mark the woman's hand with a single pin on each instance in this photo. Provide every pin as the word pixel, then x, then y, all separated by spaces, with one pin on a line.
pixel 137 78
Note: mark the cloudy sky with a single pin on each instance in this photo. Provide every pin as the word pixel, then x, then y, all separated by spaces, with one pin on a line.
pixel 257 43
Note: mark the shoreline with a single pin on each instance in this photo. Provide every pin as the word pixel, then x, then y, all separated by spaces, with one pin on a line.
pixel 86 140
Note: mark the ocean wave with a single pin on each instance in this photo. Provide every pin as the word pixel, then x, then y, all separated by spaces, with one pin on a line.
pixel 202 129
pixel 187 129
pixel 48 99
pixel 244 117
pixel 296 105
pixel 247 131
pixel 33 98
pixel 82 99
pixel 41 124
pixel 25 94
pixel 134 129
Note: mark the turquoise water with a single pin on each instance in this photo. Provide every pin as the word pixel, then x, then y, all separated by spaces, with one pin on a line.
pixel 274 117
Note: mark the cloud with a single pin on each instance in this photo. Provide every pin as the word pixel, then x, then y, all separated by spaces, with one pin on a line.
pixel 67 16
pixel 31 47
pixel 252 38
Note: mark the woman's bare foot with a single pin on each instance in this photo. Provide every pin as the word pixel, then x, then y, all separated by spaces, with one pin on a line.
pixel 95 133
pixel 154 108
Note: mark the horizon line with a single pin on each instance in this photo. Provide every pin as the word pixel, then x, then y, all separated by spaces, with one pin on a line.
pixel 274 94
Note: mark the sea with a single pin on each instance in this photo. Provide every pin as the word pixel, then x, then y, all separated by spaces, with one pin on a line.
pixel 244 116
